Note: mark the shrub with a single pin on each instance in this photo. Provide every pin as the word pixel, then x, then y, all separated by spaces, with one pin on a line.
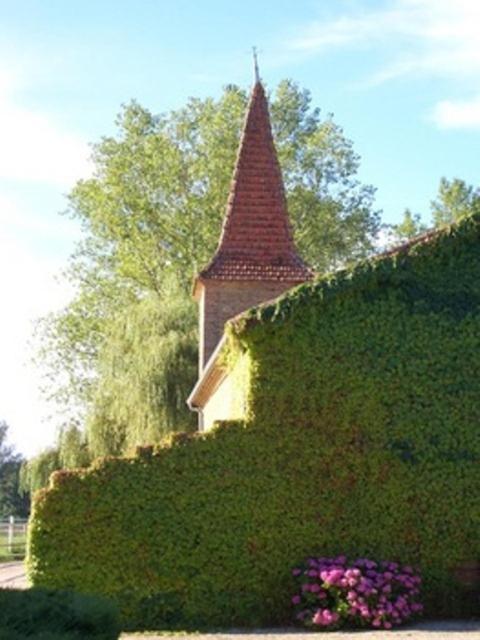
pixel 46 614
pixel 361 593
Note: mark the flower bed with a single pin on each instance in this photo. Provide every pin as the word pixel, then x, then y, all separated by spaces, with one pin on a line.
pixel 335 592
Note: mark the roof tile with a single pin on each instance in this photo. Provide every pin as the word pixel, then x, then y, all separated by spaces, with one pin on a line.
pixel 257 241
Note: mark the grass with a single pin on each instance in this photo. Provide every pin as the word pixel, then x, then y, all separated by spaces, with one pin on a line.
pixel 18 547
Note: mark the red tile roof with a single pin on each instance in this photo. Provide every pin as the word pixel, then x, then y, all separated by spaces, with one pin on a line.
pixel 257 241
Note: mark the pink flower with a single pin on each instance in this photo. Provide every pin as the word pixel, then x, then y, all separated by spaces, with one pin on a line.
pixel 382 595
pixel 334 576
pixel 318 617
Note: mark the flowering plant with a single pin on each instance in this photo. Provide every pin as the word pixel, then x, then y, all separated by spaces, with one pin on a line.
pixel 334 592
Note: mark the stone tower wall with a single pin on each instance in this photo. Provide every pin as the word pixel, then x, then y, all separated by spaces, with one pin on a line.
pixel 221 300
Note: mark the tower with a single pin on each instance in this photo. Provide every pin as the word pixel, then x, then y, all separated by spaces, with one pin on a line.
pixel 256 259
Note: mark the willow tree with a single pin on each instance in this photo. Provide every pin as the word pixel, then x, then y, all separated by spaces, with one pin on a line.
pixel 147 366
pixel 70 452
pixel 151 215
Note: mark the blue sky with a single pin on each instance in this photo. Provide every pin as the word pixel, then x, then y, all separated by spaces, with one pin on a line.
pixel 400 76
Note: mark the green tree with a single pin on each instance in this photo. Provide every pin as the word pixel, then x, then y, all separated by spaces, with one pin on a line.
pixel 455 200
pixel 70 452
pixel 12 502
pixel 151 215
pixel 35 472
pixel 147 367
pixel 411 225
pixel 73 450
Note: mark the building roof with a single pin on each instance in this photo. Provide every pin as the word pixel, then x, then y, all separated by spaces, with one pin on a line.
pixel 257 241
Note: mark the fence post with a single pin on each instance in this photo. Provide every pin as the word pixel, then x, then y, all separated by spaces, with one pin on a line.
pixel 11 530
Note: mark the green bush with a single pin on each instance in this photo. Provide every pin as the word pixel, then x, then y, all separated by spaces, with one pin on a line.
pixel 46 614
pixel 361 438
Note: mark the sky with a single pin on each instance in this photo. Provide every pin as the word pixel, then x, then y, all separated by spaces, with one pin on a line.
pixel 402 78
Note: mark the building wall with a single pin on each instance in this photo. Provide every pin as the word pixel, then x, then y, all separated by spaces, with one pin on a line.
pixel 229 400
pixel 219 405
pixel 222 300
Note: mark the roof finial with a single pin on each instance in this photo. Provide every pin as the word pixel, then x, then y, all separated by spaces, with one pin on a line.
pixel 255 64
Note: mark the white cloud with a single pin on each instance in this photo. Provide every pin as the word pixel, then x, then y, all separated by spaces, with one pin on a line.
pixel 433 35
pixel 413 37
pixel 33 147
pixel 460 114
pixel 348 30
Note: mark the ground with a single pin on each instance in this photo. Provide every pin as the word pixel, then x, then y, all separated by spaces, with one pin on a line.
pixel 12 575
pixel 459 630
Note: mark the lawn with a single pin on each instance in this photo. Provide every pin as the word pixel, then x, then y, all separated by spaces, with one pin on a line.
pixel 17 550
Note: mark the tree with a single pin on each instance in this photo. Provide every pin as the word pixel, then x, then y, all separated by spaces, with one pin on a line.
pixel 35 472
pixel 70 452
pixel 151 216
pixel 410 226
pixel 12 503
pixel 147 367
pixel 455 200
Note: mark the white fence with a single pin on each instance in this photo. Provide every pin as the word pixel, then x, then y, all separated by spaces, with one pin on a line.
pixel 13 537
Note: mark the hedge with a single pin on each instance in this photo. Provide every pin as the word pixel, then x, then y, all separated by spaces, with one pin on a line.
pixel 46 614
pixel 361 437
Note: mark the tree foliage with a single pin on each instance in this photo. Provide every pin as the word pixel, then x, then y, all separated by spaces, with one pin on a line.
pixel 147 367
pixel 70 452
pixel 36 471
pixel 151 214
pixel 411 225
pixel 12 502
pixel 455 200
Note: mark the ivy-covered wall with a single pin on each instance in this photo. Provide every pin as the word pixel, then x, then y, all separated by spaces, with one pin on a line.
pixel 362 438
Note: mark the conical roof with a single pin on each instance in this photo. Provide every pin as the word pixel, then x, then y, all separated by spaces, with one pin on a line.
pixel 256 241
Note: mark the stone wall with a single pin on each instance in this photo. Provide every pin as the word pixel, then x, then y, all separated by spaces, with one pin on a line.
pixel 221 300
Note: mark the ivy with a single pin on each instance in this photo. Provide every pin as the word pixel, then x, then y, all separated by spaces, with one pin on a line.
pixel 361 437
